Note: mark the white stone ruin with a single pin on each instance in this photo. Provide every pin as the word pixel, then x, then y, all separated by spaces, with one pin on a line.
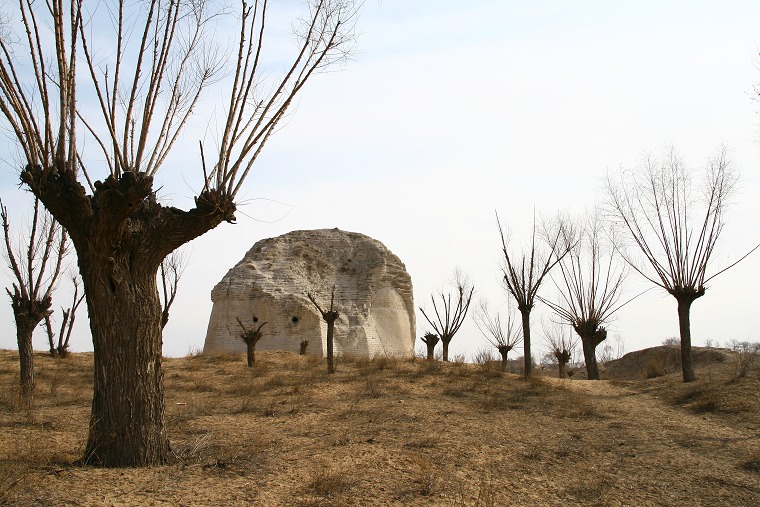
pixel 373 296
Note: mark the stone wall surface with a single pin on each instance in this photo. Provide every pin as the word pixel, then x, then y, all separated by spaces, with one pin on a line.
pixel 373 295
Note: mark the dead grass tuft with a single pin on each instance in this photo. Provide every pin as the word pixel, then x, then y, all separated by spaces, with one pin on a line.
pixel 329 482
pixel 747 361
pixel 426 476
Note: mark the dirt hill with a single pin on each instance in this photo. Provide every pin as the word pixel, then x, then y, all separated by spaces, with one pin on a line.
pixel 662 360
pixel 395 432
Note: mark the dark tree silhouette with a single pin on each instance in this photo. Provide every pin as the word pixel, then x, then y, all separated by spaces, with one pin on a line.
pixel 505 336
pixel 589 280
pixel 67 323
pixel 524 274
pixel 251 337
pixel 36 267
pixel 302 347
pixel 141 70
pixel 430 340
pixel 675 230
pixel 561 345
pixel 449 317
pixel 170 271
pixel 329 316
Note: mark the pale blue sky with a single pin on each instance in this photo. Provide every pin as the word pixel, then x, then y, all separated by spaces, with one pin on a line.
pixel 451 110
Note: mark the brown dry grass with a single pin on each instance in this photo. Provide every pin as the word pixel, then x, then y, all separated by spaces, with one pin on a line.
pixel 394 432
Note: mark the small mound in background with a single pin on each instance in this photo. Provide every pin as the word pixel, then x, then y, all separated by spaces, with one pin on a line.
pixel 659 361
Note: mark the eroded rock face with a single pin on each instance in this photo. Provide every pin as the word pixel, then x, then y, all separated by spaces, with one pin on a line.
pixel 373 295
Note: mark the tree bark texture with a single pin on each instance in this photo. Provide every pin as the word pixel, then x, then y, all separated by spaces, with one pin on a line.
pixel 27 315
pixel 563 357
pixel 591 334
pixel 26 361
pixel 330 344
pixel 504 351
pixel 684 326
pixel 589 356
pixel 445 346
pixel 528 366
pixel 121 235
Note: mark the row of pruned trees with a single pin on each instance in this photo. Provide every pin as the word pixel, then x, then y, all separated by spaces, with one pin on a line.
pixel 653 221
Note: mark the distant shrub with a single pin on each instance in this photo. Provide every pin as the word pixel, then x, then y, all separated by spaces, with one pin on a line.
pixel 748 356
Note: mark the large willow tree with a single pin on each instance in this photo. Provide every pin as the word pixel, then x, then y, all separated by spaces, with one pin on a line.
pixel 675 228
pixel 97 94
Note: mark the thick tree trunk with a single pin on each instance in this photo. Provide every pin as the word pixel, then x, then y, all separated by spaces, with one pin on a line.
pixel 330 339
pixel 589 355
pixel 24 331
pixel 430 340
pixel 431 350
pixel 445 345
pixel 27 315
pixel 561 366
pixel 251 354
pixel 504 351
pixel 528 366
pixel 121 235
pixel 127 420
pixel 684 325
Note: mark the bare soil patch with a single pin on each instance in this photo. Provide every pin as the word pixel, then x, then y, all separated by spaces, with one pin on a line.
pixel 394 432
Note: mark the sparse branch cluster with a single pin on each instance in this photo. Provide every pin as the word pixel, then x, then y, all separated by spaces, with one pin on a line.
pixel 505 335
pixel 449 315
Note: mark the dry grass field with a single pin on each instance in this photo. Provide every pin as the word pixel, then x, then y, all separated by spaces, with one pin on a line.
pixel 397 432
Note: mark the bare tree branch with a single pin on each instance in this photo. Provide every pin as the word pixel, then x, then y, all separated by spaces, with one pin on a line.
pixel 170 272
pixel 449 318
pixel 503 337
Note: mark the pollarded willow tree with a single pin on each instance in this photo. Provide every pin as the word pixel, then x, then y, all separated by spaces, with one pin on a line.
pixel 674 228
pixel 561 345
pixel 503 335
pixel 589 282
pixel 36 262
pixel 450 315
pixel 97 96
pixel 524 274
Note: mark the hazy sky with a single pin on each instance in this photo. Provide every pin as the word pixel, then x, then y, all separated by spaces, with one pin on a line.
pixel 453 110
